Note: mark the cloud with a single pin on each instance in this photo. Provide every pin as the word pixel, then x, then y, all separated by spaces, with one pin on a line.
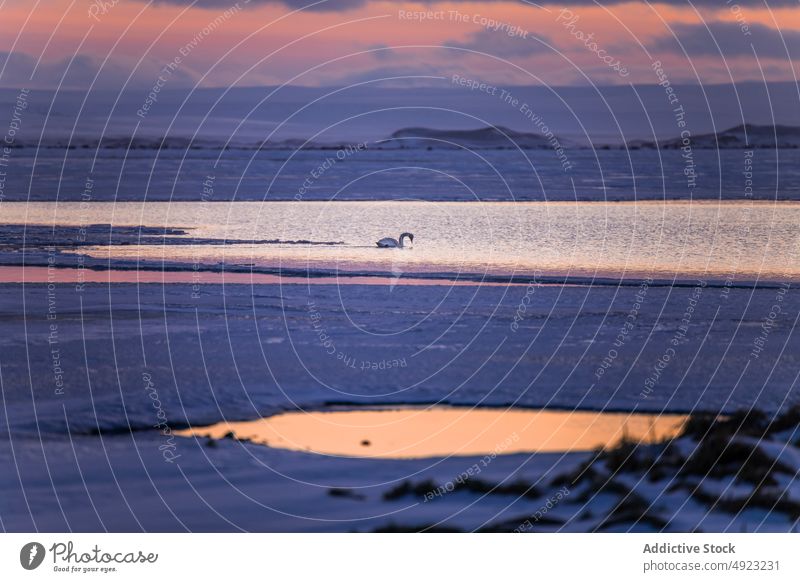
pixel 19 69
pixel 313 5
pixel 501 44
pixel 733 41
pixel 341 5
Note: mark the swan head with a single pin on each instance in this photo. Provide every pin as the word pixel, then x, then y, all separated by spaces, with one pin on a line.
pixel 406 234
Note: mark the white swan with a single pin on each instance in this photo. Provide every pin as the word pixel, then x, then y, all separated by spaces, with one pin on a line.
pixel 389 243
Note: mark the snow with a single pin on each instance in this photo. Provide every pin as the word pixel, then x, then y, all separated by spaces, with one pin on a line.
pixel 88 457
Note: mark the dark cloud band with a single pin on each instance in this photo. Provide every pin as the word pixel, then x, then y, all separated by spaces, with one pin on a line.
pixel 730 40
pixel 341 5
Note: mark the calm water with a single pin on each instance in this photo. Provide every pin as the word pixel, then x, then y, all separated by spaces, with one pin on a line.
pixel 444 175
pixel 401 433
pixel 663 239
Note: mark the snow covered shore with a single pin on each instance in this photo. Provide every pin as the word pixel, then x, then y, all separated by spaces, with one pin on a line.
pixel 95 380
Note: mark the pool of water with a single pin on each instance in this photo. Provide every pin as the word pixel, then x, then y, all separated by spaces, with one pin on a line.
pixel 443 431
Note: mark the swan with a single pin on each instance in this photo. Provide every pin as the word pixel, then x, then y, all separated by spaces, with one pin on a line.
pixel 389 243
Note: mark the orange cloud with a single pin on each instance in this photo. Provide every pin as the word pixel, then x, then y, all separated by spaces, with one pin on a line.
pixel 238 45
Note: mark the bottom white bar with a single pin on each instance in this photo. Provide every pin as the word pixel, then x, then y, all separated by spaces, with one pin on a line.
pixel 402 557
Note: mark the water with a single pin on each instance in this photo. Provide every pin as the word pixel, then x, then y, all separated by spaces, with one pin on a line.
pixel 440 431
pixel 676 239
pixel 270 348
pixel 499 175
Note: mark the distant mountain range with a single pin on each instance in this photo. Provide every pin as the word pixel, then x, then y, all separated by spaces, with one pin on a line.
pixel 740 137
pixel 408 138
pixel 610 114
pixel 747 136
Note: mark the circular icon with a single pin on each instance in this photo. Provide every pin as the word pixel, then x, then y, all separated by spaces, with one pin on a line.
pixel 31 555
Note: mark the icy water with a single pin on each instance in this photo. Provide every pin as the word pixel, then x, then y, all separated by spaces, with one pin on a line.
pixel 440 431
pixel 418 174
pixel 677 239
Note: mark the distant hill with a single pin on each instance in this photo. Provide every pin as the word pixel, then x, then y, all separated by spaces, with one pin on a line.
pixel 408 138
pixel 747 136
pixel 484 138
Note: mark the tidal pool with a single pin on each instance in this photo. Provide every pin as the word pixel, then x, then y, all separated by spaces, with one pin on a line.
pixel 441 431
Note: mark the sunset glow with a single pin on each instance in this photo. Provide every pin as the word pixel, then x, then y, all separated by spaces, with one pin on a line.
pixel 267 43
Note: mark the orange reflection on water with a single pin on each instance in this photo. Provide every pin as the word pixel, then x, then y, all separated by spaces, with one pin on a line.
pixel 444 431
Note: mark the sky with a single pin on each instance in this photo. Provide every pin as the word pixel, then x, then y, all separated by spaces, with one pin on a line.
pixel 111 44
